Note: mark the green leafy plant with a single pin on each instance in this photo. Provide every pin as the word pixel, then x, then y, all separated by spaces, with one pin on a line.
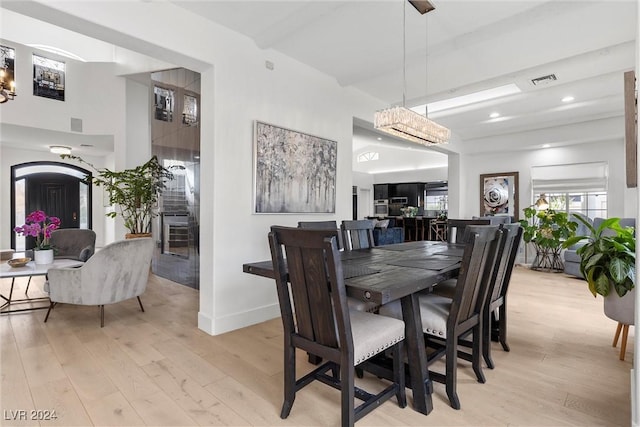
pixel 134 191
pixel 608 259
pixel 547 228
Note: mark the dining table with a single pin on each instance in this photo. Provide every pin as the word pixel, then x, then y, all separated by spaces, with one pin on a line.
pixel 382 274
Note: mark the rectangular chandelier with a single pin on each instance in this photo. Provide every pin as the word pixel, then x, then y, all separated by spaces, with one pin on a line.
pixel 407 124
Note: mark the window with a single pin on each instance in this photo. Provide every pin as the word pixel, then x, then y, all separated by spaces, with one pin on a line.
pixel 368 156
pixel 591 204
pixel 573 188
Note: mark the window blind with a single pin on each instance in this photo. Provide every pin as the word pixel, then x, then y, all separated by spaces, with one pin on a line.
pixel 570 178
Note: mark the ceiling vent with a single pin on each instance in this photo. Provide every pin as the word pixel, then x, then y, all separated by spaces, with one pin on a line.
pixel 544 80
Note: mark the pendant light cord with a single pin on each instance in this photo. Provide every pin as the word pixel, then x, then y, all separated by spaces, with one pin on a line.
pixel 404 51
pixel 426 69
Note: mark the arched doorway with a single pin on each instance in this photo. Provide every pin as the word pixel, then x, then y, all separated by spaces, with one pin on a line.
pixel 53 187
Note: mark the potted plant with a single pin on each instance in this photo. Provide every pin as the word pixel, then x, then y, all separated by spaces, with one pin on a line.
pixel 39 225
pixel 607 260
pixel 547 229
pixel 134 191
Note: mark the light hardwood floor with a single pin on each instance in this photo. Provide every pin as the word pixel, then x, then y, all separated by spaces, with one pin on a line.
pixel 157 368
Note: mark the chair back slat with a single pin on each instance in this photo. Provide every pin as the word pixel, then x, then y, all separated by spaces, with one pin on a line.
pixel 323 225
pixel 457 228
pixel 316 285
pixel 503 277
pixel 475 273
pixel 357 234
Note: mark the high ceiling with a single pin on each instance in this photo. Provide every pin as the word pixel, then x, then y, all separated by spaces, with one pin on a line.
pixel 462 47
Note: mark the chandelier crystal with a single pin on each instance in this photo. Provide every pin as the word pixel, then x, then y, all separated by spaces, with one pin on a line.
pixel 401 121
pixel 408 124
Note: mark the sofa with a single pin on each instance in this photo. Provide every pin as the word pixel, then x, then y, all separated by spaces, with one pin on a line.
pixel 571 257
pixel 386 233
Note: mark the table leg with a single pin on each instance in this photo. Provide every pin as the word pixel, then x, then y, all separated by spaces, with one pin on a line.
pixel 416 355
pixel 10 300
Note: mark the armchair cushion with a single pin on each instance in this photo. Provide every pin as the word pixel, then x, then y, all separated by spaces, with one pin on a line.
pixel 73 243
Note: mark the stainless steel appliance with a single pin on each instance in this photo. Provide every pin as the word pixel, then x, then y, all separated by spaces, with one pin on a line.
pixel 381 207
pixel 399 201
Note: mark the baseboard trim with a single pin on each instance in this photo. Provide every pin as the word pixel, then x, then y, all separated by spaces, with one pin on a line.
pixel 235 321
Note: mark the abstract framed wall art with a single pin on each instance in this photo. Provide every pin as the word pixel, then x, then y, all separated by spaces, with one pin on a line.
pixel 294 172
pixel 48 77
pixel 499 194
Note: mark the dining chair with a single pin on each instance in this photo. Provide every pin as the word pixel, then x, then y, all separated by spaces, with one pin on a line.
pixel 456 228
pixel 357 234
pixel 446 320
pixel 496 293
pixel 497 301
pixel 323 225
pixel 316 319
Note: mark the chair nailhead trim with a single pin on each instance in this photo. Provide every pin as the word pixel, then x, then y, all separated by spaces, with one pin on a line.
pixel 379 350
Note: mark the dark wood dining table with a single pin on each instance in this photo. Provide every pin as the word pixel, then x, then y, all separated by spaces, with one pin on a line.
pixel 396 272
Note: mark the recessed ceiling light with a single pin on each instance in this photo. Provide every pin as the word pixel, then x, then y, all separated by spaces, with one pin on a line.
pixel 379 139
pixel 494 115
pixel 60 149
pixel 568 98
pixel 546 146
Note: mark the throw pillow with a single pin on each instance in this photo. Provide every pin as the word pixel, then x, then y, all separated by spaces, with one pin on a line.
pixel 382 223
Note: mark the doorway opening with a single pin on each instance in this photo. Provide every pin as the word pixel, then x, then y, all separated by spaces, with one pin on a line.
pixel 53 187
pixel 175 140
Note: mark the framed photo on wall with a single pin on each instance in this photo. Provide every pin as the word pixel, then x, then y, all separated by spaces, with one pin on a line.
pixel 48 77
pixel 293 172
pixel 499 194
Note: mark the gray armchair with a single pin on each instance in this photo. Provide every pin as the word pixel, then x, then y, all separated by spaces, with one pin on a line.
pixel 117 272
pixel 73 243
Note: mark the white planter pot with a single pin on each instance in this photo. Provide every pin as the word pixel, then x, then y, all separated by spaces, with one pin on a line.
pixel 43 256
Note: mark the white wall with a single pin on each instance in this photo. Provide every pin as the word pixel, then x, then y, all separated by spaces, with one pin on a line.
pixel 621 201
pixel 237 89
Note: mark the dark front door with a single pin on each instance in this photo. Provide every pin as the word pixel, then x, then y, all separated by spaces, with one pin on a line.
pixel 56 195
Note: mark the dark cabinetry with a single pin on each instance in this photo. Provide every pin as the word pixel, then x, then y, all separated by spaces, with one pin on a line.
pixel 413 191
pixel 380 191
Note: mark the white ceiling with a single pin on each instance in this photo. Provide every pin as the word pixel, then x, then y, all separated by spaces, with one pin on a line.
pixel 472 45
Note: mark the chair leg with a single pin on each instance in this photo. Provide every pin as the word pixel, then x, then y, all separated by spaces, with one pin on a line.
pixel 140 302
pixel 49 311
pixel 617 335
pixel 623 344
pixel 347 393
pixel 102 316
pixel 502 322
pixel 477 352
pixel 451 361
pixel 486 339
pixel 289 378
pixel 398 375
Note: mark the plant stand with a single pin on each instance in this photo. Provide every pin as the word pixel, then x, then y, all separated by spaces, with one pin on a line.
pixel 548 259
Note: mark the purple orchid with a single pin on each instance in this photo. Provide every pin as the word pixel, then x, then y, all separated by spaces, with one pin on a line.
pixel 40 226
